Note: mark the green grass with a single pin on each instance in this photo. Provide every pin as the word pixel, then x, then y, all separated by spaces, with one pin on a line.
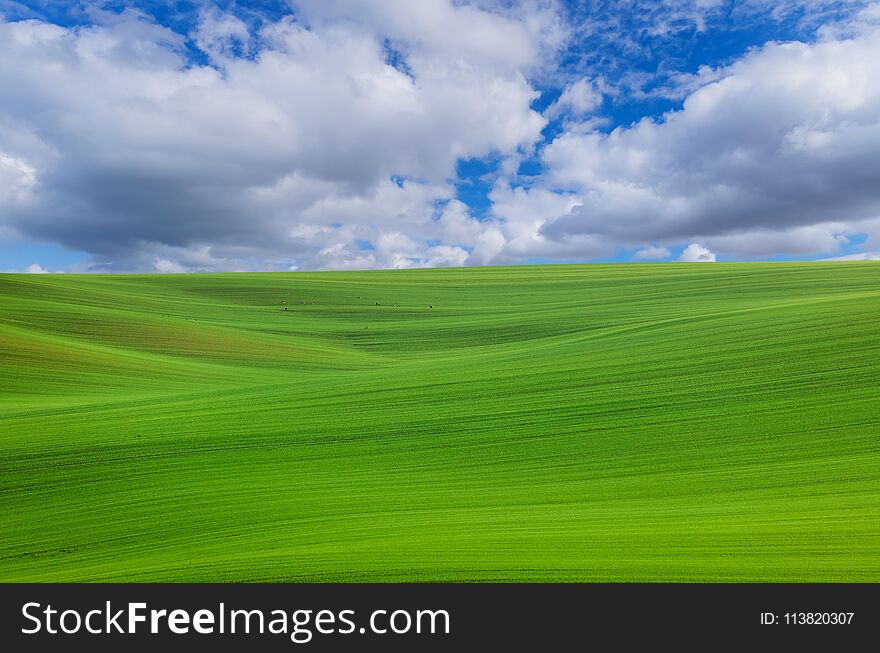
pixel 716 422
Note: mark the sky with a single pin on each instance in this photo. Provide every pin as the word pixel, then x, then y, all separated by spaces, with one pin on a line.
pixel 158 136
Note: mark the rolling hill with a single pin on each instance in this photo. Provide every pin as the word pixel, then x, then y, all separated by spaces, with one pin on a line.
pixel 652 422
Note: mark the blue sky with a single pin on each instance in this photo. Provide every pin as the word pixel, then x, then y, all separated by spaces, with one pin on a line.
pixel 159 136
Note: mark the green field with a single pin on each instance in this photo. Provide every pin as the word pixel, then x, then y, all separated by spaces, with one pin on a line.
pixel 653 422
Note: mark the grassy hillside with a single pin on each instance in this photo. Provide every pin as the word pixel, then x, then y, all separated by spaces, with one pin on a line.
pixel 608 422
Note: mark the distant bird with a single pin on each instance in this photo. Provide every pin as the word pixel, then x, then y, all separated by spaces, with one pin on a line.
pixel 377 303
pixel 359 296
pixel 303 303
pixel 285 308
pixel 430 306
pixel 283 302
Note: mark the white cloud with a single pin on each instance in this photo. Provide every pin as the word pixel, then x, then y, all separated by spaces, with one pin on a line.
pixel 762 243
pixel 142 160
pixel 334 142
pixel 515 233
pixel 489 33
pixel 861 256
pixel 696 253
pixel 578 99
pixel 33 268
pixel 778 155
pixel 652 253
pixel 17 179
pixel 168 266
pixel 221 35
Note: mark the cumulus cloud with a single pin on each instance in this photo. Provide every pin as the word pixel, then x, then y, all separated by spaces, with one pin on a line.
pixel 33 268
pixel 492 33
pixel 167 266
pixel 329 139
pixel 114 143
pixel 578 99
pixel 520 214
pixel 221 35
pixel 639 46
pixel 779 154
pixel 652 253
pixel 763 243
pixel 16 180
pixel 696 253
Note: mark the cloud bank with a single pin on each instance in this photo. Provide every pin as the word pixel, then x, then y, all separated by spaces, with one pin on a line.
pixel 330 139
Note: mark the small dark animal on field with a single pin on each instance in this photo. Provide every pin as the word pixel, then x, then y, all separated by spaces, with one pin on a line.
pixel 285 308
pixel 430 306
pixel 377 303
pixel 283 302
